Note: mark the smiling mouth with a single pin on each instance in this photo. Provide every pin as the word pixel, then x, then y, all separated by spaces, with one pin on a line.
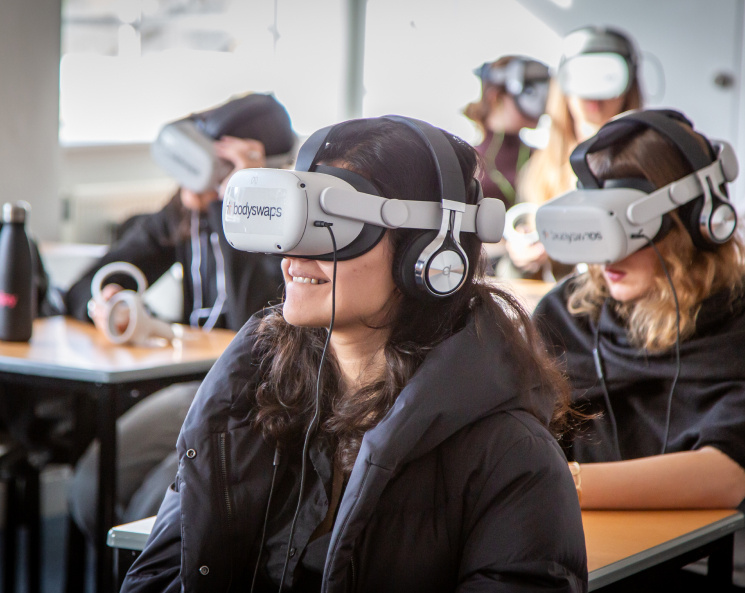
pixel 304 280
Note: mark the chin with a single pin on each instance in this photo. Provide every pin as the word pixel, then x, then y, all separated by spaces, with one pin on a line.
pixel 302 319
pixel 624 296
pixel 292 317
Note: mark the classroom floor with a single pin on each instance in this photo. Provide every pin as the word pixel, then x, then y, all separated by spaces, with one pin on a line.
pixel 54 535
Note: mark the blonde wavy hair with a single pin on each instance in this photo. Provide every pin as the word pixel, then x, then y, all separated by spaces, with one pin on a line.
pixel 696 274
pixel 548 172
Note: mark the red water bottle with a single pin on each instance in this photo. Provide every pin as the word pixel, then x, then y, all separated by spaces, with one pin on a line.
pixel 16 276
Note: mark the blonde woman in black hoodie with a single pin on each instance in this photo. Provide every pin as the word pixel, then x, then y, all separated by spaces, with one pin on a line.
pixel 652 342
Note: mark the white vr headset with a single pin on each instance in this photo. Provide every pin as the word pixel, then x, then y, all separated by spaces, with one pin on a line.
pixel 274 211
pixel 597 63
pixel 285 212
pixel 187 154
pixel 606 224
pixel 595 76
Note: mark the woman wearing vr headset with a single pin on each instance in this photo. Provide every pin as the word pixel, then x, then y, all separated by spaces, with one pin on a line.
pixel 652 339
pixel 222 287
pixel 596 80
pixel 412 454
pixel 513 96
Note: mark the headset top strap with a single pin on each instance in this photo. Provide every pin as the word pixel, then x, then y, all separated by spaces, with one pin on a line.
pixel 633 122
pixel 449 174
pixel 308 151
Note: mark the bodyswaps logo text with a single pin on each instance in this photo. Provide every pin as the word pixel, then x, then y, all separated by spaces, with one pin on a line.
pixel 250 211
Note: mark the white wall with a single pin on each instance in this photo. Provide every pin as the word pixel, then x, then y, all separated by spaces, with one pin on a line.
pixel 693 40
pixel 29 99
pixel 100 164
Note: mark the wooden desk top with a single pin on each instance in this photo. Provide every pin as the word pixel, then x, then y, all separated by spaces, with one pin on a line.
pixel 65 348
pixel 621 543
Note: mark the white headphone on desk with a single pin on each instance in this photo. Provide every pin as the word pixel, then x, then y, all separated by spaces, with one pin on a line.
pixel 141 326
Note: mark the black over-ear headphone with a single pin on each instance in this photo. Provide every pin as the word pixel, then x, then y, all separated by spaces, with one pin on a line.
pixel 433 264
pixel 710 219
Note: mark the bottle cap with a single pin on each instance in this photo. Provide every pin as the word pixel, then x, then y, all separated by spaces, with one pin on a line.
pixel 15 212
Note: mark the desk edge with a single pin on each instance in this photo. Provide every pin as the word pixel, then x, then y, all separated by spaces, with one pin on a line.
pixel 605 575
pixel 109 377
pixel 123 538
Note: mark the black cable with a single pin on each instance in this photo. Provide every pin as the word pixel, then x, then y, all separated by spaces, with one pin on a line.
pixel 599 370
pixel 316 414
pixel 599 360
pixel 668 414
pixel 275 463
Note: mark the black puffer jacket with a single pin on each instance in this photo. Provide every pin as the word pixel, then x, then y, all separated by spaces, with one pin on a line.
pixel 459 488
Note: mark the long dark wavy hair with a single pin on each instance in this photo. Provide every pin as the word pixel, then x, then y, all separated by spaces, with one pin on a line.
pixel 395 160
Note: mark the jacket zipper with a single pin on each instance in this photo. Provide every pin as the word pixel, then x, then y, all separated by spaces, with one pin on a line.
pixel 224 472
pixel 354 574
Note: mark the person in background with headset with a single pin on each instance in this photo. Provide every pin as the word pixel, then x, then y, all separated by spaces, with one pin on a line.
pixel 597 78
pixel 222 287
pixel 652 339
pixel 413 454
pixel 513 97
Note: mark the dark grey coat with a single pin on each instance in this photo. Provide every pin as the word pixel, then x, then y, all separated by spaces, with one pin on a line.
pixel 459 488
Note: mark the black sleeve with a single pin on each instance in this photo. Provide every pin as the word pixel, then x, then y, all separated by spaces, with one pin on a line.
pixel 149 245
pixel 524 531
pixel 253 280
pixel 45 297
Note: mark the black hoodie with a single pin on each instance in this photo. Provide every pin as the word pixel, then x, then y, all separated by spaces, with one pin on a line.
pixel 459 488
pixel 159 240
pixel 708 403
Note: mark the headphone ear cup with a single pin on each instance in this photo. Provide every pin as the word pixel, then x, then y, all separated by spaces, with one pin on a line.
pixel 665 228
pixel 690 214
pixel 723 222
pixel 404 268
